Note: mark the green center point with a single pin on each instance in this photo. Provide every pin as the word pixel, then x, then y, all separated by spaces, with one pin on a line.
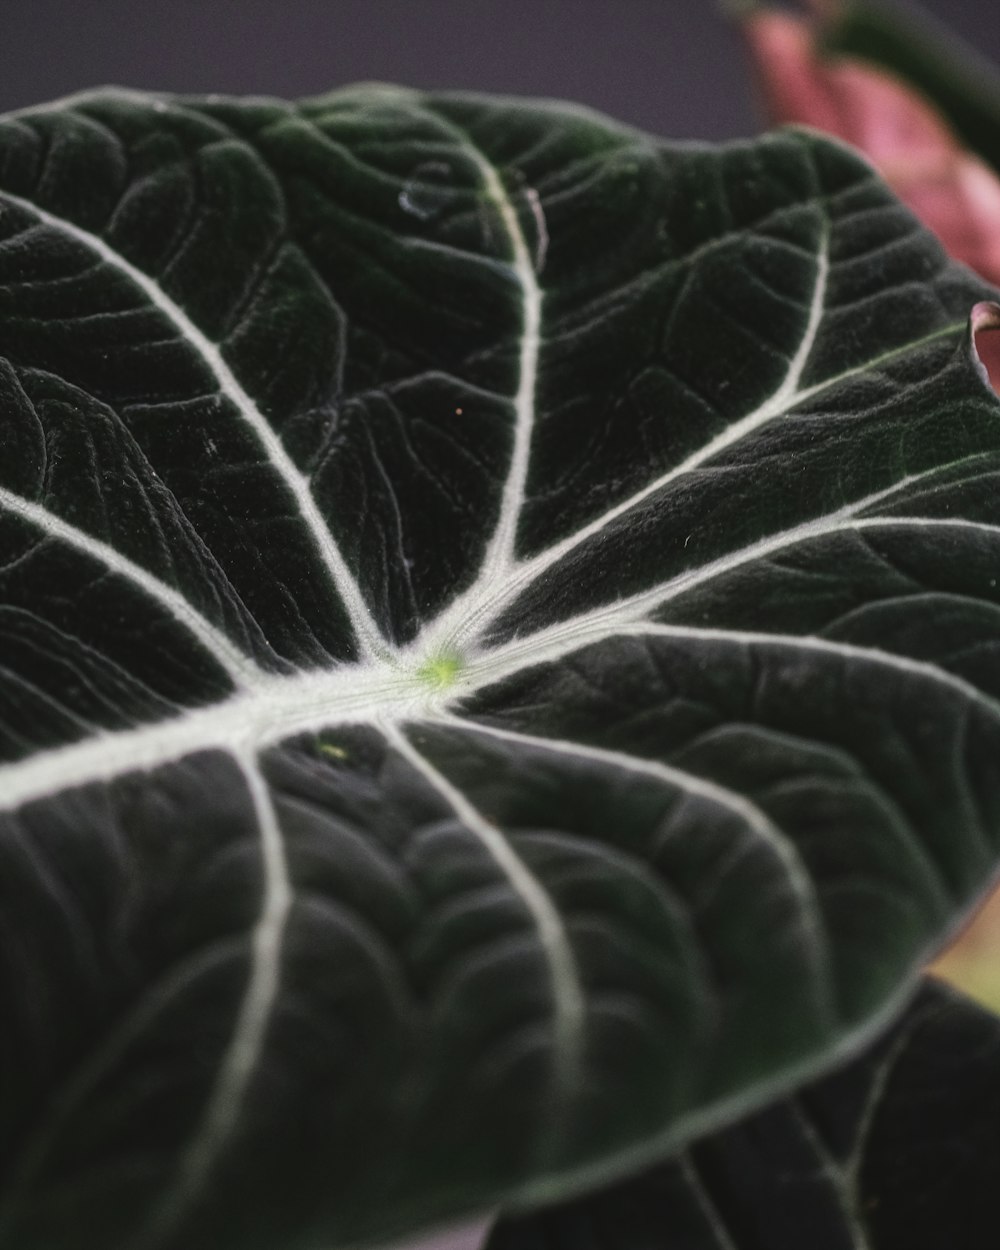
pixel 440 672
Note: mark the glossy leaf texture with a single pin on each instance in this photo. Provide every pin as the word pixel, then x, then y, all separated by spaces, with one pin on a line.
pixel 899 1148
pixel 499 664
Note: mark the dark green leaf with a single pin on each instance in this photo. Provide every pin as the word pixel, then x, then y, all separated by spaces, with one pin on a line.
pixel 498 651
pixel 901 1148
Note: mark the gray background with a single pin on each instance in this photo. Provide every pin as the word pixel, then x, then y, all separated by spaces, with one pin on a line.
pixel 673 67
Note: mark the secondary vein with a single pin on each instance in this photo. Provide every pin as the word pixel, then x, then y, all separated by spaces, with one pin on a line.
pixel 242 1055
pixel 499 558
pixel 500 552
pixel 761 827
pixel 568 999
pixel 369 636
pixel 240 667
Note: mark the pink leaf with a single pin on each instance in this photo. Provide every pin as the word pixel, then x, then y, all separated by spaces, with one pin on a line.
pixel 952 191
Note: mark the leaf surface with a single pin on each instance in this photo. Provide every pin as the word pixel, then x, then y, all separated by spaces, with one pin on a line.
pixel 498 666
pixel 898 1148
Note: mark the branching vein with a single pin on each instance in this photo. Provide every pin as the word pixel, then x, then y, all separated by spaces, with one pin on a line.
pixel 242 1056
pixel 368 634
pixel 240 667
pixel 568 999
pixel 750 816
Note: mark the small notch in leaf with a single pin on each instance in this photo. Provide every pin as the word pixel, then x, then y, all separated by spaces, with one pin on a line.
pixel 983 324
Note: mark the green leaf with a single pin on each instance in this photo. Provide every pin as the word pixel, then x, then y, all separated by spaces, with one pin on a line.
pixel 498 664
pixel 899 1148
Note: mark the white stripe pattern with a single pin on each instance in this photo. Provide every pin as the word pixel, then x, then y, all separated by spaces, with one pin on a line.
pixel 275 708
pixel 369 636
pixel 571 634
pixel 754 818
pixel 501 577
pixel 390 690
pixel 499 556
pixel 240 667
pixel 278 707
pixel 470 615
pixel 242 1056
pixel 568 998
pixel 826 646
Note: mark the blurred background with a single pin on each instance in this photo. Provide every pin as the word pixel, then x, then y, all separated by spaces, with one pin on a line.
pixel 676 68
pixel 673 67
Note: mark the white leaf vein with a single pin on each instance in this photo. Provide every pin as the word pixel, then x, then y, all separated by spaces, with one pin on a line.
pixel 240 667
pixel 706 1203
pixel 239 1061
pixel 751 817
pixel 369 636
pixel 561 638
pixel 835 1175
pixel 242 1056
pixel 469 617
pixel 466 614
pixel 919 669
pixel 500 552
pixel 568 997
pixel 275 708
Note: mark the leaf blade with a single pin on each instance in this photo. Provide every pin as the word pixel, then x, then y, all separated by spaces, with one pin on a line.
pixel 500 877
pixel 839 1160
